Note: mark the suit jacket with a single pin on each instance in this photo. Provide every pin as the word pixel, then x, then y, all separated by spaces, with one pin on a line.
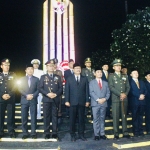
pixel 8 86
pixel 48 84
pixel 24 89
pixel 118 85
pixel 96 92
pixel 67 73
pixel 135 92
pixel 147 97
pixel 104 77
pixel 77 94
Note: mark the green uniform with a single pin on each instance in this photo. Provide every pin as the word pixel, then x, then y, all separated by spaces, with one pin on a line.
pixel 89 73
pixel 117 86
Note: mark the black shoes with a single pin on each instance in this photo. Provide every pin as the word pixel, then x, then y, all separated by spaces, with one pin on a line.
pixel 103 137
pixel 12 135
pixel 33 136
pixel 82 138
pixel 96 138
pixel 47 136
pixel 55 136
pixel 73 138
pixel 116 137
pixel 126 136
pixel 24 137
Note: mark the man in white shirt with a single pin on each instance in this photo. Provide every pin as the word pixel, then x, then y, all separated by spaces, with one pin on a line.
pixel 38 73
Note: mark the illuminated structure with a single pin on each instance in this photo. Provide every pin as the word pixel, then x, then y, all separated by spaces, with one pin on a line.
pixel 58 30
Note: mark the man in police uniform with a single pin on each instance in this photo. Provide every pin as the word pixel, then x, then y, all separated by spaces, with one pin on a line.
pixel 59 73
pixel 88 71
pixel 119 87
pixel 51 88
pixel 38 73
pixel 7 98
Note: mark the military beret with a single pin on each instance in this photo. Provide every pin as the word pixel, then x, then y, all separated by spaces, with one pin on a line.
pixel 98 68
pixel 55 60
pixel 29 65
pixel 35 61
pixel 146 73
pixel 5 60
pixel 117 62
pixel 87 60
pixel 71 60
pixel 51 61
pixel 134 69
pixel 76 65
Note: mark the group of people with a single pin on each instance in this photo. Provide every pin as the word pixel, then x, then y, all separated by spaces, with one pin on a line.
pixel 84 88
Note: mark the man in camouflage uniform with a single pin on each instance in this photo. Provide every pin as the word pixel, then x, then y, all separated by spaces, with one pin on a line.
pixel 119 87
pixel 7 98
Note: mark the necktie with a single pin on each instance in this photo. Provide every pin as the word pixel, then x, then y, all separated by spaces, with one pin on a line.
pixel 100 84
pixel 51 75
pixel 29 81
pixel 119 75
pixel 137 83
pixel 77 80
pixel 106 74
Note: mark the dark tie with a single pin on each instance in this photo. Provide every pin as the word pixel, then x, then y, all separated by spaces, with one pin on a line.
pixel 77 80
pixel 51 75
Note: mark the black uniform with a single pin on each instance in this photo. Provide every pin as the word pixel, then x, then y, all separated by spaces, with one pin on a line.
pixel 7 86
pixel 50 84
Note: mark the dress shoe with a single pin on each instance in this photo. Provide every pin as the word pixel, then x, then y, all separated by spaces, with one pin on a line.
pixel 47 136
pixel 33 136
pixel 55 136
pixel 116 137
pixel 126 136
pixel 82 138
pixel 12 135
pixel 73 138
pixel 96 138
pixel 148 132
pixel 141 134
pixel 103 137
pixel 24 137
pixel 1 135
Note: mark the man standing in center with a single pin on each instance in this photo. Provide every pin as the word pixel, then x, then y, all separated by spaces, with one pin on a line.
pixel 119 87
pixel 77 97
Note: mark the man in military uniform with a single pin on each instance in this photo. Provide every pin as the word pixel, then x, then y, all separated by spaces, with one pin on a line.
pixel 59 73
pixel 51 88
pixel 119 87
pixel 38 73
pixel 7 98
pixel 88 71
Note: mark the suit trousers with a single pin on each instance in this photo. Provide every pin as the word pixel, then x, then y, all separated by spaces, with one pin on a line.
pixel 147 116
pixel 50 111
pixel 119 109
pixel 137 118
pixel 74 111
pixel 24 117
pixel 99 113
pixel 10 116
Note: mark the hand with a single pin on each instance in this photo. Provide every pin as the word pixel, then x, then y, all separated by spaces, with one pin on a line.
pixel 101 100
pixel 122 96
pixel 54 95
pixel 87 104
pixel 29 97
pixel 67 104
pixel 142 96
pixel 6 96
pixel 51 95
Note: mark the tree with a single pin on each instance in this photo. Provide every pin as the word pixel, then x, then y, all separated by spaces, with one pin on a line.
pixel 132 42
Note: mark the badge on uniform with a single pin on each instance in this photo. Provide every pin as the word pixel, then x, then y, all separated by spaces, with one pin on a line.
pixel 55 79
pixel 10 78
pixel 46 80
pixel 1 78
pixel 115 79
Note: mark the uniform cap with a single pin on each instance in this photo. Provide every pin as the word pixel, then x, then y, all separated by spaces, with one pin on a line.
pixel 35 61
pixel 51 61
pixel 117 62
pixel 5 60
pixel 87 60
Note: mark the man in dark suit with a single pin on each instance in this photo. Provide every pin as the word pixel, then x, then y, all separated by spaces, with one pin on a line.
pixel 137 93
pixel 68 73
pixel 7 98
pixel 147 101
pixel 28 88
pixel 77 97
pixel 51 88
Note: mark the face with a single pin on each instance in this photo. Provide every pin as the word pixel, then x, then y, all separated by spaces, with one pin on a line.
pixel 98 74
pixel 71 64
pixel 134 74
pixel 77 70
pixel 29 71
pixel 88 64
pixel 117 68
pixel 50 67
pixel 147 77
pixel 124 70
pixel 105 67
pixel 5 67
pixel 55 66
pixel 35 66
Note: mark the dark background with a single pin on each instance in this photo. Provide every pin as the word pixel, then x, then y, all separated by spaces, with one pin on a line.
pixel 21 27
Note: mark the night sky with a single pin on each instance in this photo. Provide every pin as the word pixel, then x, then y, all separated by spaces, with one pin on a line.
pixel 21 27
